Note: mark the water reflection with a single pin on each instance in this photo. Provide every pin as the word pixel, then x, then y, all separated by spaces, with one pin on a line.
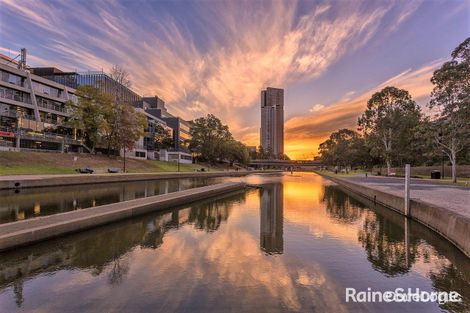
pixel 341 207
pixel 271 218
pixel 30 203
pixel 106 247
pixel 396 245
pixel 274 249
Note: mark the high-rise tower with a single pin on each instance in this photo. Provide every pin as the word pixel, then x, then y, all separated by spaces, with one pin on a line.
pixel 272 120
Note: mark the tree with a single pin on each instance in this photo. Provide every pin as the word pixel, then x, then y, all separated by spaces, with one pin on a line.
pixel 388 123
pixel 344 148
pixel 209 137
pixel 120 75
pixel 88 115
pixel 451 98
pixel 131 125
pixel 163 139
pixel 236 152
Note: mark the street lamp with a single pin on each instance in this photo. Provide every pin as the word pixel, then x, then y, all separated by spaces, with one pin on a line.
pixel 443 156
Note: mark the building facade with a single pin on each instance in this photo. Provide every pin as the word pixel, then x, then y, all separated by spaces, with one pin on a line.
pixel 35 107
pixel 98 80
pixel 272 121
pixel 34 112
pixel 181 130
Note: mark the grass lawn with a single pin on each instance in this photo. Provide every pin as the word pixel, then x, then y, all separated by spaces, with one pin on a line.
pixel 161 166
pixel 33 163
pixel 33 169
pixel 350 173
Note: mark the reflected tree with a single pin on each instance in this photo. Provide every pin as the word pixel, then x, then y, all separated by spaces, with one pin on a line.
pixel 18 289
pixel 340 206
pixel 119 269
pixel 385 244
pixel 209 216
pixel 449 278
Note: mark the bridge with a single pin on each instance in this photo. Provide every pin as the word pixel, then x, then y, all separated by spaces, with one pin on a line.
pixel 295 164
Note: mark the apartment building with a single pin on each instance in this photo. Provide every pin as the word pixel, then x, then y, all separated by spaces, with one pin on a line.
pixel 34 111
pixel 272 121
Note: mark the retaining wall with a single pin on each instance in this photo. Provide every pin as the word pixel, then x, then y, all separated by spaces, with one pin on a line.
pixel 81 179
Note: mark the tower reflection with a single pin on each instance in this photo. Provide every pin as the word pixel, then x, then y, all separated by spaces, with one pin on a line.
pixel 271 216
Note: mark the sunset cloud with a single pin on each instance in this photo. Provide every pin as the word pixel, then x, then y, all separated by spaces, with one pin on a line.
pixel 304 133
pixel 216 56
pixel 248 45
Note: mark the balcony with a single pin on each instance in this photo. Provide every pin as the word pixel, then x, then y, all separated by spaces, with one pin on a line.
pixel 15 96
pixel 9 114
pixel 53 107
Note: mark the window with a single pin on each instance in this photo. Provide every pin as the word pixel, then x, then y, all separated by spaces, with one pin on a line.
pixel 14 95
pixel 11 78
pixel 47 90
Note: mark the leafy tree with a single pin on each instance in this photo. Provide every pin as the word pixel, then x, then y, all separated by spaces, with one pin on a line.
pixel 388 123
pixel 344 148
pixel 451 98
pixel 209 137
pixel 236 151
pixel 131 125
pixel 88 115
pixel 163 138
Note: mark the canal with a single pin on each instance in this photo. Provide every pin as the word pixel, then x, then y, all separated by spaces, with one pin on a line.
pixel 21 204
pixel 293 245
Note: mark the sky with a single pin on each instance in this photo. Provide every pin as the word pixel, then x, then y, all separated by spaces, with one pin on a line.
pixel 216 56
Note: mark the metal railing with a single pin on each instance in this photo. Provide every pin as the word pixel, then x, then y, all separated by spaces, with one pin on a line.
pixel 19 98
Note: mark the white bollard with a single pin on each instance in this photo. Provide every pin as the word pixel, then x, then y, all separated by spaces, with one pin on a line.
pixel 407 189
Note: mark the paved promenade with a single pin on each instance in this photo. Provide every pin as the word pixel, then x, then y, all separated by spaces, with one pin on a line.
pixel 454 198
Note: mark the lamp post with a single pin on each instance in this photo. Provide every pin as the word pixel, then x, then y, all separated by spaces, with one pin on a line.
pixel 443 156
pixel 124 160
pixel 178 160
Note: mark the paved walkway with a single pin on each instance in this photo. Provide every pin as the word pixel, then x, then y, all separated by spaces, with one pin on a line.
pixel 454 198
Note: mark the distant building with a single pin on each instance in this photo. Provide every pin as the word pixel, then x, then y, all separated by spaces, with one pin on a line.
pixel 181 128
pixel 271 218
pixel 251 148
pixel 272 121
pixel 33 111
pixel 100 80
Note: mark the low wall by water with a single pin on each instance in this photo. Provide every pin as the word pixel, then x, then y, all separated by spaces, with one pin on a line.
pixel 462 170
pixel 452 226
pixel 81 179
pixel 37 229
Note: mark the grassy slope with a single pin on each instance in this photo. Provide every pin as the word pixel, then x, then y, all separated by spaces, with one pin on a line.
pixel 17 163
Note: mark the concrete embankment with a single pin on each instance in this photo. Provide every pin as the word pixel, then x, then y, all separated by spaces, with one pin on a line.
pixel 25 181
pixel 449 224
pixel 33 230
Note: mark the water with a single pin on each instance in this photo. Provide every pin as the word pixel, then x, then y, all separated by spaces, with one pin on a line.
pixel 34 202
pixel 292 246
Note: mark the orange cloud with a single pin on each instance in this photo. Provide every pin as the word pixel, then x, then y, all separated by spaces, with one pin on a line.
pixel 304 133
pixel 240 48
